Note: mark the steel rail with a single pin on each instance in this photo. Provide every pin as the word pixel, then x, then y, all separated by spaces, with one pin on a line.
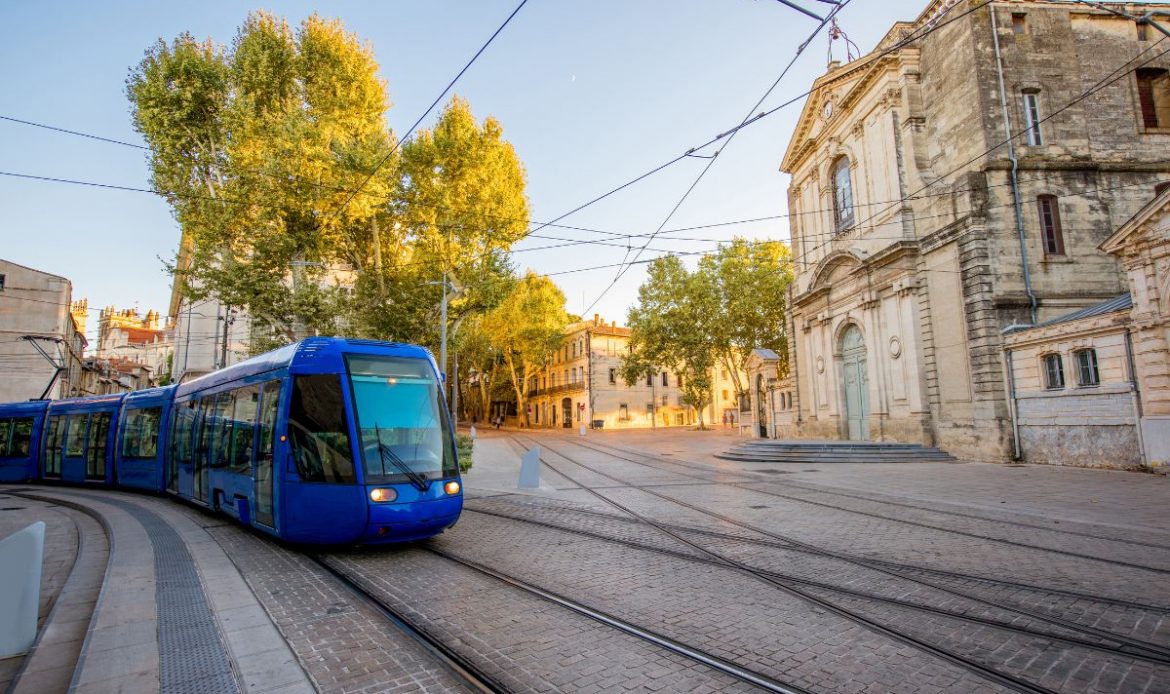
pixel 700 656
pixel 986 672
pixel 1128 604
pixel 460 667
pixel 755 475
pixel 983 621
pixel 1134 643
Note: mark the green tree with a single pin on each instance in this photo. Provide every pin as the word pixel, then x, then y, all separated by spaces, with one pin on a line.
pixel 257 148
pixel 751 280
pixel 458 205
pixel 673 325
pixel 526 328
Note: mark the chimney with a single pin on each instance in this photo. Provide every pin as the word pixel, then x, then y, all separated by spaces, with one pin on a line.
pixel 596 319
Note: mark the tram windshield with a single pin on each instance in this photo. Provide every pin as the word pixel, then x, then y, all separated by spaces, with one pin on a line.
pixel 404 430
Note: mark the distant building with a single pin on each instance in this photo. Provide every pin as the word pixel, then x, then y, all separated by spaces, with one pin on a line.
pixel 202 342
pixel 771 397
pixel 918 236
pixel 583 385
pixel 115 375
pixel 42 335
pixel 1072 388
pixel 127 339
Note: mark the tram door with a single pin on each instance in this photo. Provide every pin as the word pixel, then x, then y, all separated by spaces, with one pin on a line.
pixel 265 480
pixel 206 427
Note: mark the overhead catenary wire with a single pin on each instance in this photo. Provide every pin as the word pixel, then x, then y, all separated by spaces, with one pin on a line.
pixel 916 195
pixel 398 143
pixel 711 162
pixel 934 26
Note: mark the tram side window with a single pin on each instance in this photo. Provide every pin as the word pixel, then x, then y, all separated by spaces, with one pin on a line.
pixel 181 443
pixel 51 456
pixel 243 429
pixel 21 443
pixel 75 437
pixel 317 426
pixel 95 461
pixel 206 425
pixel 267 421
pixel 140 434
pixel 222 419
pixel 16 437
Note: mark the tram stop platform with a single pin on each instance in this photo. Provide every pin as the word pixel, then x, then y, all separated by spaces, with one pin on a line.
pixel 136 596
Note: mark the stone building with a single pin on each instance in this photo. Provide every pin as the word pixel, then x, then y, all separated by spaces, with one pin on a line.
pixel 771 398
pixel 583 385
pixel 37 312
pixel 126 338
pixel 1143 246
pixel 1072 389
pixel 948 185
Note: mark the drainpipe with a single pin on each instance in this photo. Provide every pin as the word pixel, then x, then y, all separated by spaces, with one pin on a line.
pixel 1015 170
pixel 1017 454
pixel 1135 395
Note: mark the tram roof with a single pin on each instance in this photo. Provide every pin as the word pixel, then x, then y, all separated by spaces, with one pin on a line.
pixel 28 407
pixel 87 404
pixel 309 356
pixel 151 396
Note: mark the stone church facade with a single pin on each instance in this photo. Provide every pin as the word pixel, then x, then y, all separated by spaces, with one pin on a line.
pixel 919 234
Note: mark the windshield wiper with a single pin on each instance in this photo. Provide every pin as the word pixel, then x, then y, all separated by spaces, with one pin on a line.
pixel 419 481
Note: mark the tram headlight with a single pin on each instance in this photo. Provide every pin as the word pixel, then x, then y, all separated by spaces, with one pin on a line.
pixel 451 487
pixel 382 495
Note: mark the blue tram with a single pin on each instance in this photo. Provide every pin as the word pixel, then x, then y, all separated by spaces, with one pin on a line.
pixel 140 456
pixel 79 437
pixel 325 441
pixel 21 424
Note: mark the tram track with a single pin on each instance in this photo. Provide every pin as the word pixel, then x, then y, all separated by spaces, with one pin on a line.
pixel 765 477
pixel 994 623
pixel 463 666
pixel 986 672
pixel 896 570
pixel 601 448
pixel 957 575
pixel 458 666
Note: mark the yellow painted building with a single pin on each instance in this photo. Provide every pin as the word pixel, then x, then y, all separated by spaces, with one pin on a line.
pixel 583 385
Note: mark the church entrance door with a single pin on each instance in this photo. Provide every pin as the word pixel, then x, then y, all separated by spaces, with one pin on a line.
pixel 853 376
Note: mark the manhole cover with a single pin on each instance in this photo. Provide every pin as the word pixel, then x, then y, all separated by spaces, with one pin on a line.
pixel 757 507
pixel 1015 465
pixel 775 472
pixel 12 508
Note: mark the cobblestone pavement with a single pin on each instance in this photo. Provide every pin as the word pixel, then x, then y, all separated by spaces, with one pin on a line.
pixel 61 535
pixel 1062 585
pixel 344 645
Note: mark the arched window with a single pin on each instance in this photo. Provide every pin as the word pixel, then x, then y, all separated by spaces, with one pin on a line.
pixel 842 194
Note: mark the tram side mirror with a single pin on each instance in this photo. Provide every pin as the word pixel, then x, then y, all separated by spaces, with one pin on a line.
pixel 443 376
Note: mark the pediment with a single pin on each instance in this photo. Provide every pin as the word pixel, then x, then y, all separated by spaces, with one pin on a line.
pixel 838 90
pixel 834 268
pixel 1151 224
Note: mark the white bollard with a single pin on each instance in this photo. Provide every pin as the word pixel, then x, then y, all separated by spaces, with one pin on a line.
pixel 21 556
pixel 472 432
pixel 582 429
pixel 530 469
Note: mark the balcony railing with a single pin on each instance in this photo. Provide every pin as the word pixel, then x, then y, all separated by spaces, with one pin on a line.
pixel 558 389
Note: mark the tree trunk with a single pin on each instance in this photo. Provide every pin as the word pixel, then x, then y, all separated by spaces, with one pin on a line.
pixel 378 257
pixel 517 386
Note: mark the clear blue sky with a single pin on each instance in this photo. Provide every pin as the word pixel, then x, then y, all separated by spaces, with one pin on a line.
pixel 591 93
